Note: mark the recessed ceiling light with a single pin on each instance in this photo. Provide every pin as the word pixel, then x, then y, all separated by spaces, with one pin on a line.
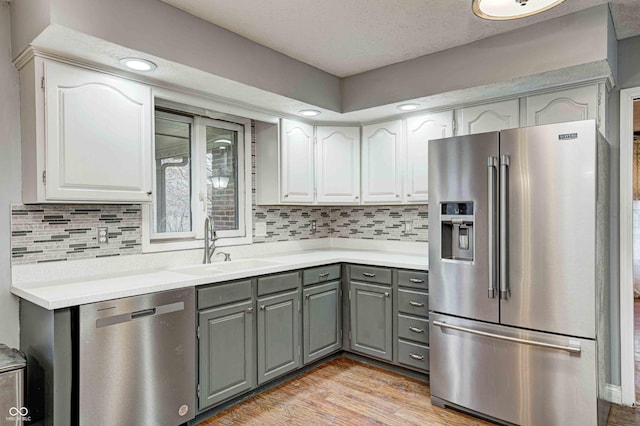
pixel 502 10
pixel 138 64
pixel 408 107
pixel 309 112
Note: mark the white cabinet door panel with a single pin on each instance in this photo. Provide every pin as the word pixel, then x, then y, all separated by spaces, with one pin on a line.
pixel 489 117
pixel 338 164
pixel 565 105
pixel 382 162
pixel 98 136
pixel 421 129
pixel 297 162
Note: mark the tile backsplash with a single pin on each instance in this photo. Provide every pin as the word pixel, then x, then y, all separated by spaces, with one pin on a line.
pixel 398 223
pixel 48 233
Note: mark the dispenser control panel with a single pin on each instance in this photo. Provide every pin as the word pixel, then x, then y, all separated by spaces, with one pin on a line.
pixel 457 222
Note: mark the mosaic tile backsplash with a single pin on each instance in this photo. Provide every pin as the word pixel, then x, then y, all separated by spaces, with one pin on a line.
pixel 49 233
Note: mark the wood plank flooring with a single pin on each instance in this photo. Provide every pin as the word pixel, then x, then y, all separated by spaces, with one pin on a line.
pixel 344 392
pixel 347 392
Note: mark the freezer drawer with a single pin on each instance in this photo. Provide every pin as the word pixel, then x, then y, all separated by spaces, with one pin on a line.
pixel 512 381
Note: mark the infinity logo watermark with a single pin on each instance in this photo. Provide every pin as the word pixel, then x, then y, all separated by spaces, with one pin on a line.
pixel 21 413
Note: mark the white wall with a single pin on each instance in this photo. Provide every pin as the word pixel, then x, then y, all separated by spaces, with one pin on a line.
pixel 10 178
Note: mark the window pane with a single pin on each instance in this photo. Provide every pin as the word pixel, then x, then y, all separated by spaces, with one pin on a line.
pixel 172 201
pixel 222 177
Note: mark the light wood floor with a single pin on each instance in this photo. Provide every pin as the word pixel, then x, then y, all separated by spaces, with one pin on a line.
pixel 344 392
pixel 347 392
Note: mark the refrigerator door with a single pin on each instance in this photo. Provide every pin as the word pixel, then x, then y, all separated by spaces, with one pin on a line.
pixel 538 379
pixel 549 226
pixel 462 258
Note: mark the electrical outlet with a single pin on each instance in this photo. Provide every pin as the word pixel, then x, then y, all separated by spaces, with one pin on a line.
pixel 313 226
pixel 261 229
pixel 408 226
pixel 103 235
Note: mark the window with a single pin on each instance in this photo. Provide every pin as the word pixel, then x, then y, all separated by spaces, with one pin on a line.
pixel 200 169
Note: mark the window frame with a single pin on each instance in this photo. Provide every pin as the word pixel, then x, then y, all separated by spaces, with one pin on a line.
pixel 203 112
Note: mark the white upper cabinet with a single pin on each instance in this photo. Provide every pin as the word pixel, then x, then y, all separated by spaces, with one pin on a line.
pixel 382 162
pixel 93 143
pixel 565 105
pixel 488 118
pixel 297 162
pixel 338 164
pixel 421 129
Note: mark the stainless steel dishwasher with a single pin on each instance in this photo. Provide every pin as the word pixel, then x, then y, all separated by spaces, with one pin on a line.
pixel 137 360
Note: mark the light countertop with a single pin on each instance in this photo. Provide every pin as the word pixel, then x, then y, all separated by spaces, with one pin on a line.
pixel 58 294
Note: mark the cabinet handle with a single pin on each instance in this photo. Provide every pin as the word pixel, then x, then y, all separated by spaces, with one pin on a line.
pixel 357 197
pixel 397 195
pixel 149 192
pixel 386 294
pixel 416 304
pixel 249 310
pixel 369 274
pixel 416 280
pixel 323 274
pixel 286 195
pixel 416 356
pixel 416 330
pixel 408 195
pixel 262 307
pixel 308 296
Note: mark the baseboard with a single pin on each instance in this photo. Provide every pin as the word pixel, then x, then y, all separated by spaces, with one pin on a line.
pixel 613 394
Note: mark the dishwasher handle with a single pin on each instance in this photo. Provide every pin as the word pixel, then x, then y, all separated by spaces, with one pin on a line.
pixel 130 316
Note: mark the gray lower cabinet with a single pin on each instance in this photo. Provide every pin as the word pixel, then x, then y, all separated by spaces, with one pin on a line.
pixel 322 323
pixel 227 360
pixel 278 335
pixel 371 320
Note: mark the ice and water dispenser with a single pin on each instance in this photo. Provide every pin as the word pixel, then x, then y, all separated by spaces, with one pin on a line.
pixel 457 221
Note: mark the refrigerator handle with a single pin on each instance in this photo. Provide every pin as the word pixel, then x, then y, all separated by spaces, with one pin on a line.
pixel 504 226
pixel 492 164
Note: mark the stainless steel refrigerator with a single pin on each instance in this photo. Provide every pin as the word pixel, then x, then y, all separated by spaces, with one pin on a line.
pixel 518 265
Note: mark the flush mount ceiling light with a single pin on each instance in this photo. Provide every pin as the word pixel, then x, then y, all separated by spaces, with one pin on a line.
pixel 138 64
pixel 408 107
pixel 502 10
pixel 309 112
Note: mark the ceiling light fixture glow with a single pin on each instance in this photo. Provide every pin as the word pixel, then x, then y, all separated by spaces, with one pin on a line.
pixel 502 10
pixel 310 112
pixel 408 107
pixel 138 64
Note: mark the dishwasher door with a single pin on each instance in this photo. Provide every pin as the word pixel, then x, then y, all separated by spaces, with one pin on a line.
pixel 137 360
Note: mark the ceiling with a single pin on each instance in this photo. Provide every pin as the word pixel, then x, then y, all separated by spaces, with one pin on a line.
pixel 349 37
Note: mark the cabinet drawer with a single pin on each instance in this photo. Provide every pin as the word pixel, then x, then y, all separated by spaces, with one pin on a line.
pixel 317 275
pixel 370 274
pixel 411 328
pixel 413 302
pixel 413 355
pixel 414 279
pixel 221 294
pixel 277 283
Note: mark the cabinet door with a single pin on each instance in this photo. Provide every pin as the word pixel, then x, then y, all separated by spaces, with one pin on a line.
pixel 98 136
pixel 338 164
pixel 489 118
pixel 371 320
pixel 226 349
pixel 421 129
pixel 278 335
pixel 562 106
pixel 382 162
pixel 297 162
pixel 321 321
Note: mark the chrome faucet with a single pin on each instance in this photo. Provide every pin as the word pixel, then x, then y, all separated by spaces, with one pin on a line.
pixel 210 238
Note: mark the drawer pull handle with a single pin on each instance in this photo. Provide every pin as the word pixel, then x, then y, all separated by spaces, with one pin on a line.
pixel 416 280
pixel 323 274
pixel 369 274
pixel 386 294
pixel 416 304
pixel 416 356
pixel 249 310
pixel 416 330
pixel 263 307
pixel 308 296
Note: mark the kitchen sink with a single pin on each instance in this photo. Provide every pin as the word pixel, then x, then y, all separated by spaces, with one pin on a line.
pixel 222 267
